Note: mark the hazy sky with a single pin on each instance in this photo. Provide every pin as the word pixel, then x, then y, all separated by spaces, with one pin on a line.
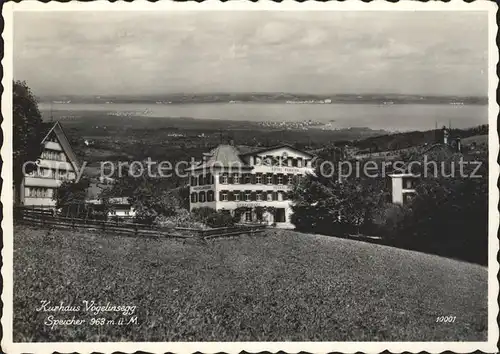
pixel 310 52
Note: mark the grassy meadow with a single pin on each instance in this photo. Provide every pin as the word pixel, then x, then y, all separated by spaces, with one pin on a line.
pixel 281 286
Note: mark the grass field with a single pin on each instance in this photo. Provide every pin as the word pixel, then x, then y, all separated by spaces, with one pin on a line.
pixel 282 286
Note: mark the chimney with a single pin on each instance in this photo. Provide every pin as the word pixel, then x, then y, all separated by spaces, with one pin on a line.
pixel 458 145
pixel 446 134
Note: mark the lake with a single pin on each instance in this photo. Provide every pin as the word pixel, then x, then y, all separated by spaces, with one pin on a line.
pixel 395 117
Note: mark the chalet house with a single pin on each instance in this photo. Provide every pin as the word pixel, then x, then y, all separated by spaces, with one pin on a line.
pixel 230 178
pixel 56 164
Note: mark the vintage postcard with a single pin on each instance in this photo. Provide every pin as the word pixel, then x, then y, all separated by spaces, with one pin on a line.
pixel 226 177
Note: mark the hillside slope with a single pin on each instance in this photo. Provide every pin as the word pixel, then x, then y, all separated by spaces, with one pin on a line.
pixel 284 286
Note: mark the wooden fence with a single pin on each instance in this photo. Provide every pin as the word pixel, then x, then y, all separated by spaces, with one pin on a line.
pixel 46 218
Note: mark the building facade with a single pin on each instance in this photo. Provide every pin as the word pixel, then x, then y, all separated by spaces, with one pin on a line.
pixel 231 180
pixel 403 187
pixel 56 164
pixel 118 208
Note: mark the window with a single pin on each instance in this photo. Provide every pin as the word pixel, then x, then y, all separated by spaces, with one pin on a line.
pixel 202 197
pixel 259 196
pixel 210 196
pixel 258 179
pixel 237 196
pixel 195 197
pixel 408 183
pixel 39 192
pixel 248 179
pixel 223 179
pixel 248 196
pixel 224 196
pixel 127 212
pixel 236 179
pixel 289 179
pixel 290 162
pixel 269 179
pixel 201 180
pixel 270 197
pixel 280 179
pixel 248 215
pixel 407 197
pixel 194 181
pixel 280 196
pixel 299 162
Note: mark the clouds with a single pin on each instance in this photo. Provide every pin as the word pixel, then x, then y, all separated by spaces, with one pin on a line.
pixel 320 52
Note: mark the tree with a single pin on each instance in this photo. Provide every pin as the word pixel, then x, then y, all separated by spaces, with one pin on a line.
pixel 70 197
pixel 149 196
pixel 331 206
pixel 27 132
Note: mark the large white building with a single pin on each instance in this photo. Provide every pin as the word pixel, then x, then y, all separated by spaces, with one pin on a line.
pixel 228 179
pixel 56 163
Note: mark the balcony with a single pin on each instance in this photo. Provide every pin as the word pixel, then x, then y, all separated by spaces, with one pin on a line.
pixel 50 145
pixel 42 182
pixel 57 165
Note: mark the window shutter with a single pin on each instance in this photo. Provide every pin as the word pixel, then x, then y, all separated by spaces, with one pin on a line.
pixel 220 195
pixel 252 178
pixel 275 195
pixel 253 196
pixel 275 179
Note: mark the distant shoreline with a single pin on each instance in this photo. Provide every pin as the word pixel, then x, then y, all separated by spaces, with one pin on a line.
pixel 266 98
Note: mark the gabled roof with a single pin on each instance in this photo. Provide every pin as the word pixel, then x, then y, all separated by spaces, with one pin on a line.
pixel 222 156
pixel 231 156
pixel 261 150
pixel 436 152
pixel 56 128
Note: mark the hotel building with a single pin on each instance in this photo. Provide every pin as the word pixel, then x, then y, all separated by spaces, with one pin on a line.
pixel 56 163
pixel 228 179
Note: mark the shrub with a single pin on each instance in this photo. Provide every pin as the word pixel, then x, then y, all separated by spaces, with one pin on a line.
pixel 202 214
pixel 220 219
